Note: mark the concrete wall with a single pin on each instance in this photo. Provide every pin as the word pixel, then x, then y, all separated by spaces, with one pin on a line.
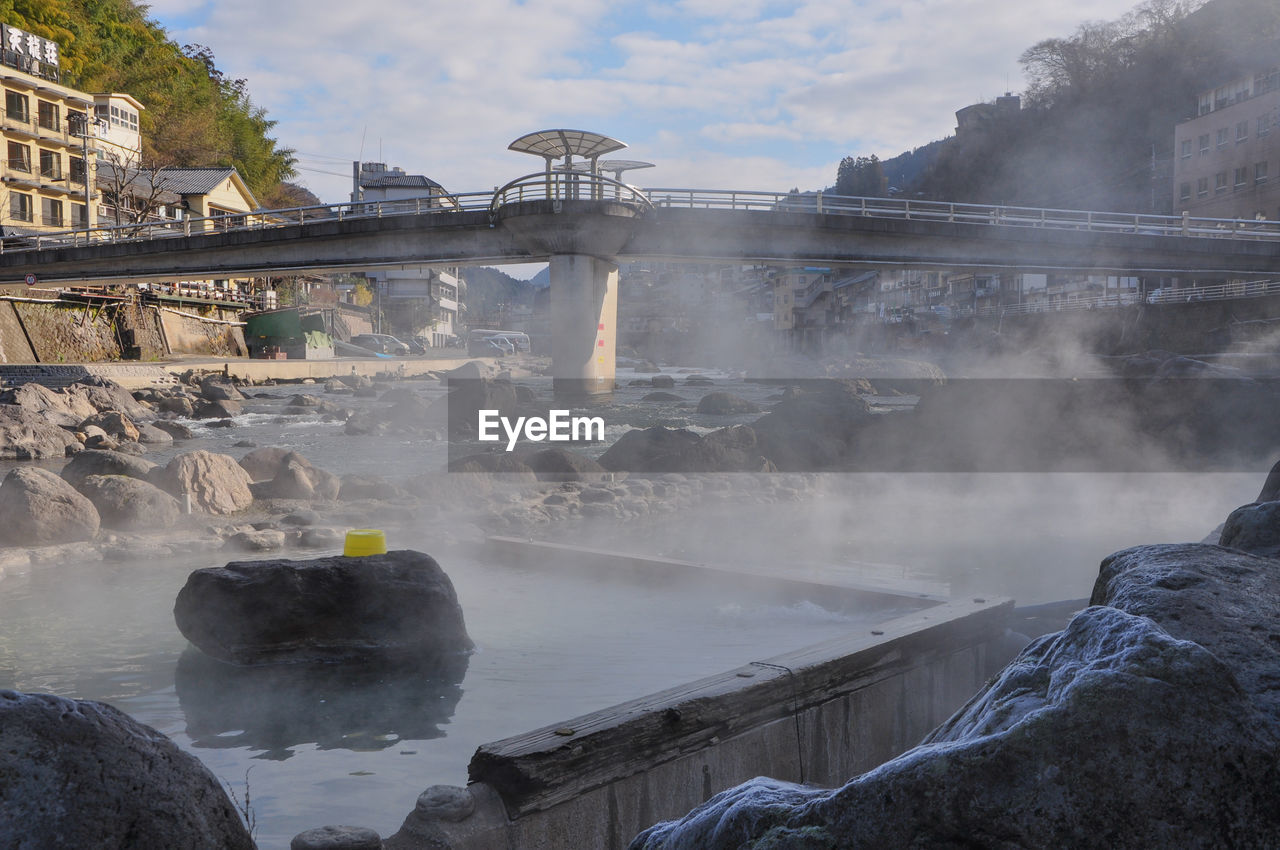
pixel 14 346
pixel 861 701
pixel 69 333
pixel 187 335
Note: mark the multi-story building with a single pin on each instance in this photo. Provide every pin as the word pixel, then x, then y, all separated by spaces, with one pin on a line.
pixel 48 167
pixel 442 288
pixel 1227 158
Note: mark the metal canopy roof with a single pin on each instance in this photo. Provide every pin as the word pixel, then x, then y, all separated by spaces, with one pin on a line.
pixel 620 165
pixel 554 144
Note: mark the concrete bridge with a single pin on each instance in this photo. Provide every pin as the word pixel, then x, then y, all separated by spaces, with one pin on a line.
pixel 582 224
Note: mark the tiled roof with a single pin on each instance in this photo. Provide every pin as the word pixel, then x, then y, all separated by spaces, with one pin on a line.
pixel 194 181
pixel 399 181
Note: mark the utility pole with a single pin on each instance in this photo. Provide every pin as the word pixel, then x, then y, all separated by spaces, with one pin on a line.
pixel 88 182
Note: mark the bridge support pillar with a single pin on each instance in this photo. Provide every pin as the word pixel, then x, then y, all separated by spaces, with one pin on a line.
pixel 584 319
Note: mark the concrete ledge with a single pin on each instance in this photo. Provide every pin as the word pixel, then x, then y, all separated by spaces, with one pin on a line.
pixel 819 715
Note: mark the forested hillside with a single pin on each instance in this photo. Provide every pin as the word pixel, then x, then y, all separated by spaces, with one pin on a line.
pixel 1097 121
pixel 194 116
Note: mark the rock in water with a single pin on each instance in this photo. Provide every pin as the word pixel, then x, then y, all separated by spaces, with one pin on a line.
pixel 76 773
pixel 400 604
pixel 39 508
pixel 215 482
pixel 1152 720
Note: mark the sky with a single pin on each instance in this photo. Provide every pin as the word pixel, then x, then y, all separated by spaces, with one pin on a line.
pixel 726 94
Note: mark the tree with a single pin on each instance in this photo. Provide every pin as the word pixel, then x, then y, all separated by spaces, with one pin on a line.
pixel 861 177
pixel 135 190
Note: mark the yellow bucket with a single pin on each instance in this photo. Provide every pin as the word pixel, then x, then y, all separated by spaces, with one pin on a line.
pixel 365 541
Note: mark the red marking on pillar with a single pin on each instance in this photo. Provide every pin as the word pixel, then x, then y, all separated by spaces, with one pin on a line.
pixel 600 343
pixel 601 326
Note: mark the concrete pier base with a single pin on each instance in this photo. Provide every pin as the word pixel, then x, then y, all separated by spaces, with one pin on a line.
pixel 584 316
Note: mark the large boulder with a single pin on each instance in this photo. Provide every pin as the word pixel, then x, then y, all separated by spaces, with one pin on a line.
pixel 128 504
pixel 814 429
pixel 400 604
pixel 725 404
pixel 53 406
pixel 76 773
pixel 114 423
pixel 217 389
pixel 1152 720
pixel 215 482
pixel 265 463
pixel 30 436
pixel 102 462
pixel 661 449
pixel 558 464
pixel 655 449
pixel 467 397
pixel 39 509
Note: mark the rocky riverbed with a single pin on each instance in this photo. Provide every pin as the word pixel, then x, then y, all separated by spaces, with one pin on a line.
pixel 95 473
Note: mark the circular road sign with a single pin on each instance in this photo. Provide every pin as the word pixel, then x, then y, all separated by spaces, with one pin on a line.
pixel 31 280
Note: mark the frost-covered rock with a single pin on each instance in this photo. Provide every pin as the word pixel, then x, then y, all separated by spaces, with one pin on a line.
pixel 76 773
pixel 1152 720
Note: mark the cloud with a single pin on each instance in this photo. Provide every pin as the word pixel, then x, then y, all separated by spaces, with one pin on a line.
pixel 706 89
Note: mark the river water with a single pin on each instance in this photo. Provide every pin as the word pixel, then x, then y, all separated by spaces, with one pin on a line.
pixel 357 747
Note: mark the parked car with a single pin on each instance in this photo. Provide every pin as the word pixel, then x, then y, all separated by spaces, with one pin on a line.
pixel 500 346
pixel 380 343
pixel 417 344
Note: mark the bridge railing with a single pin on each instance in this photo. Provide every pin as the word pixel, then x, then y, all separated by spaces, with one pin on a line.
pixel 577 185
pixel 906 209
pixel 567 186
pixel 1190 294
pixel 257 220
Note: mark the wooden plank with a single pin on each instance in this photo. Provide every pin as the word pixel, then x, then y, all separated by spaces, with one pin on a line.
pixel 554 764
pixel 843 587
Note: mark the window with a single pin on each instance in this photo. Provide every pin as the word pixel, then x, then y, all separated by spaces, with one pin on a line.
pixel 1242 131
pixel 1186 148
pixel 77 123
pixel 1220 182
pixel 1223 137
pixel 49 116
pixel 77 170
pixel 19 157
pixel 77 215
pixel 19 206
pixel 1204 143
pixel 1260 172
pixel 52 212
pixel 15 107
pixel 1264 124
pixel 1242 177
pixel 1202 186
pixel 50 165
pixel 1184 192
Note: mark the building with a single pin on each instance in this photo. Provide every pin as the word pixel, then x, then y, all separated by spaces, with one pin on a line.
pixel 48 169
pixel 440 289
pixel 1228 156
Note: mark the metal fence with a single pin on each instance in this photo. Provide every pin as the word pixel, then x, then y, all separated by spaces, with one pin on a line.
pixel 585 186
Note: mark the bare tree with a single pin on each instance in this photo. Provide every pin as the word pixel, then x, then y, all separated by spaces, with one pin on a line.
pixel 135 189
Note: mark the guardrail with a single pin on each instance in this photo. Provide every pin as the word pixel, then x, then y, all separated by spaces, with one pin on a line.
pixel 1005 216
pixel 1218 292
pixel 256 220
pixel 581 186
pixel 567 186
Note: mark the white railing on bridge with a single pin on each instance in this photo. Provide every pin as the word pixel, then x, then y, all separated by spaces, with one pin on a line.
pixel 1190 294
pixel 907 209
pixel 525 188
